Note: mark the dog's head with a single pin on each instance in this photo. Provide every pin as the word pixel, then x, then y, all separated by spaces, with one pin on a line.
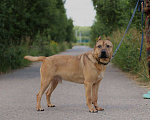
pixel 103 50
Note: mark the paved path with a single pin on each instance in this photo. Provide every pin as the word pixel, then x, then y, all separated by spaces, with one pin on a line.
pixel 119 96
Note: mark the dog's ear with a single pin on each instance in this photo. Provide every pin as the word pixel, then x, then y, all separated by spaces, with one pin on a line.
pixel 99 38
pixel 108 38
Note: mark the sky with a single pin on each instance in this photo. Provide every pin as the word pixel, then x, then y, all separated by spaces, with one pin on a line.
pixel 81 11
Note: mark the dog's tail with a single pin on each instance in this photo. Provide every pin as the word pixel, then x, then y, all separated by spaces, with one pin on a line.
pixel 31 58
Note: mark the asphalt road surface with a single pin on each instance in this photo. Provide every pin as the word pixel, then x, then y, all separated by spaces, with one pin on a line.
pixel 118 95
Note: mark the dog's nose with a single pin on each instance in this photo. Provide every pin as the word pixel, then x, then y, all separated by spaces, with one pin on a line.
pixel 103 52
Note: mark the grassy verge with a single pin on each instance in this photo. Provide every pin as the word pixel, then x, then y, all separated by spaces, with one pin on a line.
pixel 127 57
pixel 12 57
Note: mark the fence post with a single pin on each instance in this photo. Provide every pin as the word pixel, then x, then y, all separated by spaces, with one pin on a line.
pixel 147 29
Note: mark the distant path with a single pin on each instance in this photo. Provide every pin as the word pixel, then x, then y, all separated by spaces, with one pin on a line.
pixel 119 96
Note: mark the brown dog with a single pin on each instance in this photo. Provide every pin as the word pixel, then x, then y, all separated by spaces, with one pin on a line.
pixel 88 69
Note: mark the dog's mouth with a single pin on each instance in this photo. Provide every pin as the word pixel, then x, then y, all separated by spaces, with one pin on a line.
pixel 103 56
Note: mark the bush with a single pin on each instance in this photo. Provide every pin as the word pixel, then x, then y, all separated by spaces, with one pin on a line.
pixel 12 57
pixel 127 57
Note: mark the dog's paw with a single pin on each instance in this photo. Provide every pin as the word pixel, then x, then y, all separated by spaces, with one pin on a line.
pixel 99 109
pixel 40 109
pixel 93 111
pixel 51 105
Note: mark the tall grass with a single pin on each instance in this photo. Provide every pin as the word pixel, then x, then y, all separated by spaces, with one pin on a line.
pixel 127 57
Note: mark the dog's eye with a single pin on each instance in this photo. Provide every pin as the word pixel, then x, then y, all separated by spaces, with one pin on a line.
pixel 99 46
pixel 108 46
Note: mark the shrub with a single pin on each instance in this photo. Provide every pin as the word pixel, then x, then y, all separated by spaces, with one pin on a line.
pixel 127 57
pixel 12 57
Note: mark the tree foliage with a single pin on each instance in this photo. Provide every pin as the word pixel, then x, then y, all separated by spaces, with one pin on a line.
pixel 36 27
pixel 22 20
pixel 112 15
pixel 83 31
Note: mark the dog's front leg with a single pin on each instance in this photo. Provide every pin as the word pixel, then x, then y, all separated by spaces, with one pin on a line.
pixel 88 90
pixel 95 88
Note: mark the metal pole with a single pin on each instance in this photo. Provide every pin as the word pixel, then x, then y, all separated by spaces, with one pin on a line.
pixel 80 37
pixel 76 33
pixel 147 28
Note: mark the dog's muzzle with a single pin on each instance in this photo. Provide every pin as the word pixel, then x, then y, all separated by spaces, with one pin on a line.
pixel 103 54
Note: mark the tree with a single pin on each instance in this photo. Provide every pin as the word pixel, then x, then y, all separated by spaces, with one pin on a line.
pixel 22 20
pixel 112 15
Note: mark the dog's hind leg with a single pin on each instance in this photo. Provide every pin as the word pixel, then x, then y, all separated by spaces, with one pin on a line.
pixel 53 85
pixel 95 96
pixel 44 84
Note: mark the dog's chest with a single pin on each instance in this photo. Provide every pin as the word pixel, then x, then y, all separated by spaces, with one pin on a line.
pixel 101 75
